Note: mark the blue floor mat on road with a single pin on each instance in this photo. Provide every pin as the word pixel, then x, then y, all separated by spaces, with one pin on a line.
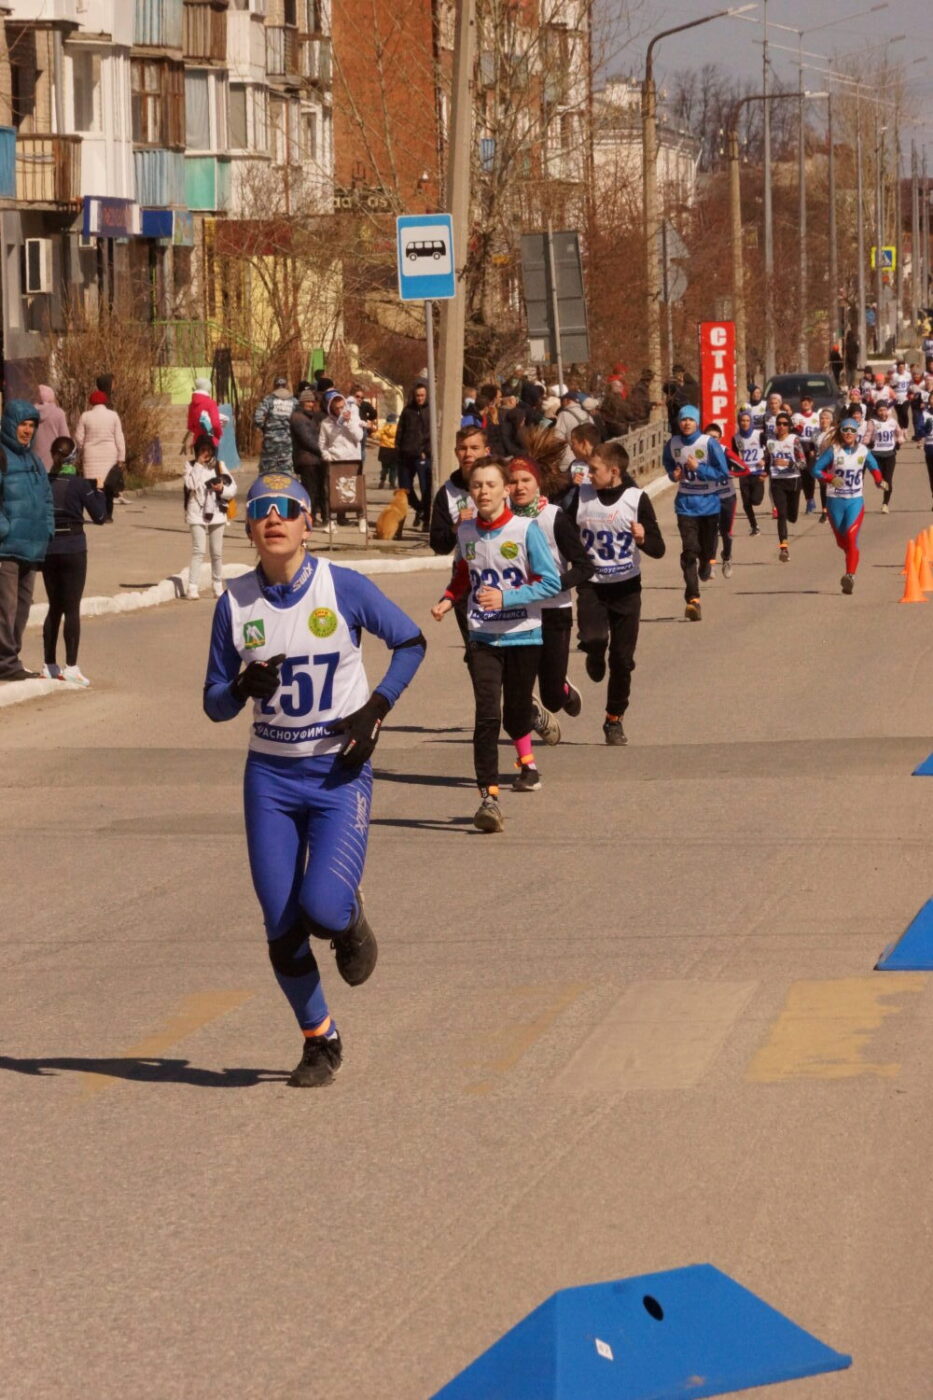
pixel 924 769
pixel 913 951
pixel 686 1332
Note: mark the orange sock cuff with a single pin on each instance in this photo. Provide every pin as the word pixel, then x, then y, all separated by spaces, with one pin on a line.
pixel 612 719
pixel 322 1029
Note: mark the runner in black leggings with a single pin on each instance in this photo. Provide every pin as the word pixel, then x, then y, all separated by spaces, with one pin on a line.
pixel 784 459
pixel 64 568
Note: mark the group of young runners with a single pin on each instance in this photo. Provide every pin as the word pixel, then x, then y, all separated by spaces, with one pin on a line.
pixel 526 533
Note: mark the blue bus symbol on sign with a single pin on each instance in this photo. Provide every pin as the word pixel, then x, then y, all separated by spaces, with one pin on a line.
pixel 425 250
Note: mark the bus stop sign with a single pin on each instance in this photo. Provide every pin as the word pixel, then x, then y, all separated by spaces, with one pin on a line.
pixel 425 257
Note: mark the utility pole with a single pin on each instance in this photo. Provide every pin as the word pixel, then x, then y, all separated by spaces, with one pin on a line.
pixel 924 235
pixel 802 350
pixel 879 233
pixel 738 262
pixel 833 252
pixel 769 221
pixel 860 226
pixel 453 312
pixel 898 233
pixel 914 234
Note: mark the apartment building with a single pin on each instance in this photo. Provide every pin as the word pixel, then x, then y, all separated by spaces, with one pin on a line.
pixel 126 128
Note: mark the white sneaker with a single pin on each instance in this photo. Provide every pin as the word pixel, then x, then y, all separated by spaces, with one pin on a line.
pixel 218 590
pixel 192 595
pixel 75 675
pixel 51 671
pixel 884 510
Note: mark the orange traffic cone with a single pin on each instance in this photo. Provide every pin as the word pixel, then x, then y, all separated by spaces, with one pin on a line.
pixel 924 572
pixel 908 556
pixel 927 536
pixel 913 593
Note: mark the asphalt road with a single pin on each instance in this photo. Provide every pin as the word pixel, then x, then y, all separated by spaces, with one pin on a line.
pixel 638 1030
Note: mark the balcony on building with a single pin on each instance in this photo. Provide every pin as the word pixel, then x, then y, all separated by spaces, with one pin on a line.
pixel 314 60
pixel 246 46
pixel 158 24
pixel 48 169
pixel 207 184
pixel 205 31
pixel 282 53
pixel 7 162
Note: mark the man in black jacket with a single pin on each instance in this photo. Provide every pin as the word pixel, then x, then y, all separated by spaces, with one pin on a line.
pixel 305 425
pixel 413 446
pixel 615 517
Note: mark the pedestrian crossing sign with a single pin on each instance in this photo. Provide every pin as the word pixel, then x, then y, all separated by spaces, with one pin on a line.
pixel 888 259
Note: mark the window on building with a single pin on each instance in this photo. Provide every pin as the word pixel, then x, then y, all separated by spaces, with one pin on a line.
pixel 85 78
pixel 239 132
pixel 158 98
pixel 197 111
pixel 310 154
pixel 290 8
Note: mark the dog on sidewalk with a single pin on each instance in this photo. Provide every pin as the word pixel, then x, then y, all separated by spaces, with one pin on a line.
pixel 392 519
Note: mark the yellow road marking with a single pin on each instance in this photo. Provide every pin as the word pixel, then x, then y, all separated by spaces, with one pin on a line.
pixel 196 1011
pixel 657 1035
pixel 515 1041
pixel 825 1028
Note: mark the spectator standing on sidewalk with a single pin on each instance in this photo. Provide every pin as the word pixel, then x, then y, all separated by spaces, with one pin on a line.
pixel 306 453
pixel 342 435
pixel 273 419
pixel 208 491
pixel 52 424
pixel 27 522
pixel 64 569
pixel 100 441
pixel 413 444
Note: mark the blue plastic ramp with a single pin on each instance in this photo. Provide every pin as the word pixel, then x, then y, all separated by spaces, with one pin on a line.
pixel 924 769
pixel 913 951
pixel 687 1332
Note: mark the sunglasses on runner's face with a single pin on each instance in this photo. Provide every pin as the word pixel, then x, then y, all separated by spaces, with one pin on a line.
pixel 284 506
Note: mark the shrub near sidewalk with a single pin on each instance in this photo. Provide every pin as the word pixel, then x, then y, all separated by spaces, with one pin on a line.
pixel 111 344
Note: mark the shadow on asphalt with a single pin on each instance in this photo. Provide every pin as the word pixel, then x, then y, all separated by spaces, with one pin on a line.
pixel 423 779
pixel 147 1071
pixel 423 729
pixel 455 825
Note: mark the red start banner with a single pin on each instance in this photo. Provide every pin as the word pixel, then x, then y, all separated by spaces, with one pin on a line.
pixel 717 374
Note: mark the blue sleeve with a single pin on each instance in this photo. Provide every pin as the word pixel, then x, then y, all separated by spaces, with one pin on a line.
pixel 223 667
pixel 366 608
pixel 667 459
pixel 825 459
pixel 715 468
pixel 541 563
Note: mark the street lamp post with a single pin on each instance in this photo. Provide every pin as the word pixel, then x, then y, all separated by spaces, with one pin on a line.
pixel 652 223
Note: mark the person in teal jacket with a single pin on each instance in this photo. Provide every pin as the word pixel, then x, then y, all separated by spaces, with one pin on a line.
pixel 27 523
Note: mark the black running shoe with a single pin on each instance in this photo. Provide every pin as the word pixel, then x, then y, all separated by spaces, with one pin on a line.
pixel 848 583
pixel 573 701
pixel 528 780
pixel 596 666
pixel 320 1060
pixel 355 949
pixel 615 734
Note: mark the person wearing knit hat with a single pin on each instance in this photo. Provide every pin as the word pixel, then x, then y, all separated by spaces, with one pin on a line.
pixel 843 466
pixel 286 641
pixel 697 463
pixel 204 413
pixel 273 419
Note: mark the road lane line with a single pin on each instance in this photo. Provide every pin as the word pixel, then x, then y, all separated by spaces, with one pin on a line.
pixel 516 1040
pixel 196 1011
pixel 825 1028
pixel 657 1035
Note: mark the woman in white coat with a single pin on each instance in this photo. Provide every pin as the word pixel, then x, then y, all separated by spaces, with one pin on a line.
pixel 208 492
pixel 99 440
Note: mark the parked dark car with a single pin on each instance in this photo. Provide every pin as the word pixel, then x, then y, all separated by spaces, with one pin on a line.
pixel 820 387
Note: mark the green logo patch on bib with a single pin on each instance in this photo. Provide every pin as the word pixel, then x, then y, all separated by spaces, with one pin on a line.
pixel 509 550
pixel 254 634
pixel 322 622
pixel 471 549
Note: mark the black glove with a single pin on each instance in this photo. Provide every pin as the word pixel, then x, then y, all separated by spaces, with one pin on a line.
pixel 259 681
pixel 362 730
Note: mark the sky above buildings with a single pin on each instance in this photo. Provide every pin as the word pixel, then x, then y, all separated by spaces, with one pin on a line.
pixel 736 44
